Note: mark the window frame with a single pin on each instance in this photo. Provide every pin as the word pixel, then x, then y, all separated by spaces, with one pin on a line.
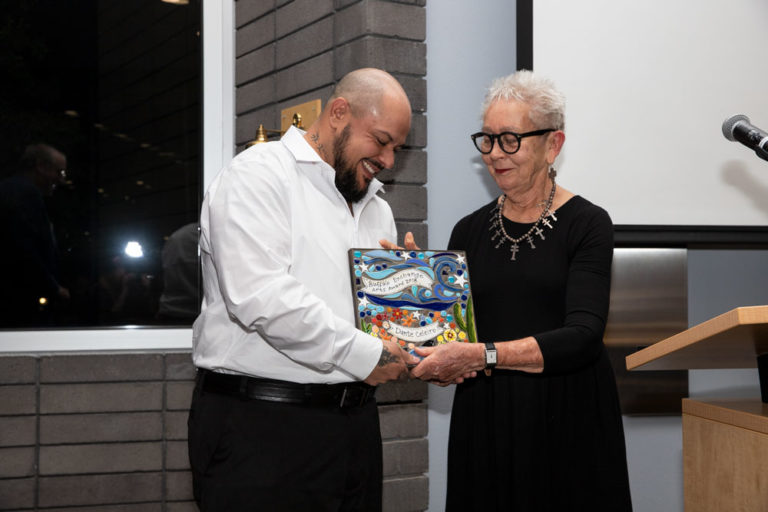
pixel 218 83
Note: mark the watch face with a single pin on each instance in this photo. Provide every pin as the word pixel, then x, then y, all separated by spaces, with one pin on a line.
pixel 490 357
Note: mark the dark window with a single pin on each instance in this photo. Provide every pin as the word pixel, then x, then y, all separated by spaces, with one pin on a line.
pixel 110 236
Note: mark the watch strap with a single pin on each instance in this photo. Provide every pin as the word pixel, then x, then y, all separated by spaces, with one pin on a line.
pixel 490 358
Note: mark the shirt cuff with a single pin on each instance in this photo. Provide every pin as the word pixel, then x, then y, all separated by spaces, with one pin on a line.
pixel 363 355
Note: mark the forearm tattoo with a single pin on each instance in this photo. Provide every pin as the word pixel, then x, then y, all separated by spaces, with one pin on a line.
pixel 387 357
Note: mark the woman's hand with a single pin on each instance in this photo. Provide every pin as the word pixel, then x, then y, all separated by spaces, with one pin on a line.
pixel 408 241
pixel 450 363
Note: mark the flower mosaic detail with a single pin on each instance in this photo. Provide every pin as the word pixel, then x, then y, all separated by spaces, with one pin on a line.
pixel 413 297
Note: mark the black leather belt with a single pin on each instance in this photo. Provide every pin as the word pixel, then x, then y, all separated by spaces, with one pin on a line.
pixel 352 394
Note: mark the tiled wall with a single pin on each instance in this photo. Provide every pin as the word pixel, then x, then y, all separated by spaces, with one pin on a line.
pixel 107 433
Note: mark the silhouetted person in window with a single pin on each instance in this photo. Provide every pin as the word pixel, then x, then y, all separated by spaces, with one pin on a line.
pixel 28 254
pixel 180 300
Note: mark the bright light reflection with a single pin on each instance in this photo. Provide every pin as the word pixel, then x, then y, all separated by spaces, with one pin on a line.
pixel 134 250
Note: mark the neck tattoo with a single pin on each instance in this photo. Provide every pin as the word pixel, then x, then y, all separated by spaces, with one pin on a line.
pixel 320 147
pixel 547 217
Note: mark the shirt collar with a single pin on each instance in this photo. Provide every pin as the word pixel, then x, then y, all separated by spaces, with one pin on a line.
pixel 301 150
pixel 299 147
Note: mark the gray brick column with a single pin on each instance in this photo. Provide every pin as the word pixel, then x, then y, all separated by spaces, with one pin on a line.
pixel 291 52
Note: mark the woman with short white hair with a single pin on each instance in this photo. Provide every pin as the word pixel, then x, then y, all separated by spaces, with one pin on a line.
pixel 536 423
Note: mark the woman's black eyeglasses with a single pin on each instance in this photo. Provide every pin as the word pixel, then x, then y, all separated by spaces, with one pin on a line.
pixel 509 142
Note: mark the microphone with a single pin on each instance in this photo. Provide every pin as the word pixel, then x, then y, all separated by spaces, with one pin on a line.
pixel 738 128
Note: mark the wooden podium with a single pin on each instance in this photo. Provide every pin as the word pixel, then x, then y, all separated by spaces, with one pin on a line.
pixel 725 442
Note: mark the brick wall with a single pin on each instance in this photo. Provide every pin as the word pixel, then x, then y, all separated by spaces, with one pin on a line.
pixel 107 433
pixel 95 430
pixel 289 52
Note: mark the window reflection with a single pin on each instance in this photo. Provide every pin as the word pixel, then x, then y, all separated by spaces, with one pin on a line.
pixel 107 96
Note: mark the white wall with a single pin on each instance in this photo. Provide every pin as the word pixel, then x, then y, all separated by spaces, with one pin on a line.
pixel 655 462
pixel 468 45
pixel 649 85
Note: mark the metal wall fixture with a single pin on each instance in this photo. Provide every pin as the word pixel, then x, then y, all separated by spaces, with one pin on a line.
pixel 649 302
pixel 301 116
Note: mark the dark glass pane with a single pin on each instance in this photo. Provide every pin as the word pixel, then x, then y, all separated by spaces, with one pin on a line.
pixel 115 87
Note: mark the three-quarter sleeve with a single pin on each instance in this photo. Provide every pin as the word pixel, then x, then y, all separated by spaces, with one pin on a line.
pixel 579 341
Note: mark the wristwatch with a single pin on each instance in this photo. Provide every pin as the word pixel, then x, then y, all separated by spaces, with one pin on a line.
pixel 490 358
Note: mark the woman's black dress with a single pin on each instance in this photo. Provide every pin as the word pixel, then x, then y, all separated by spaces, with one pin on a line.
pixel 550 441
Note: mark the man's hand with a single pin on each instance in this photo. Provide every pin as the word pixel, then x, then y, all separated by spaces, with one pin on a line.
pixel 392 365
pixel 408 241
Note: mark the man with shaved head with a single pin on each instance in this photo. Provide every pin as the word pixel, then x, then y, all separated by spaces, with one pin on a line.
pixel 375 101
pixel 283 415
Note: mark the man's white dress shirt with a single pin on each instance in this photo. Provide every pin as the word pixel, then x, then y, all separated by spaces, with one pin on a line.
pixel 274 237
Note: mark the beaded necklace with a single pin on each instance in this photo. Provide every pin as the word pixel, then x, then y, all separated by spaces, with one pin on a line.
pixel 497 222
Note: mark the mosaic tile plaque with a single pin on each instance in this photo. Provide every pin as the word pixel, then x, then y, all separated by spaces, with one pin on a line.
pixel 415 298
